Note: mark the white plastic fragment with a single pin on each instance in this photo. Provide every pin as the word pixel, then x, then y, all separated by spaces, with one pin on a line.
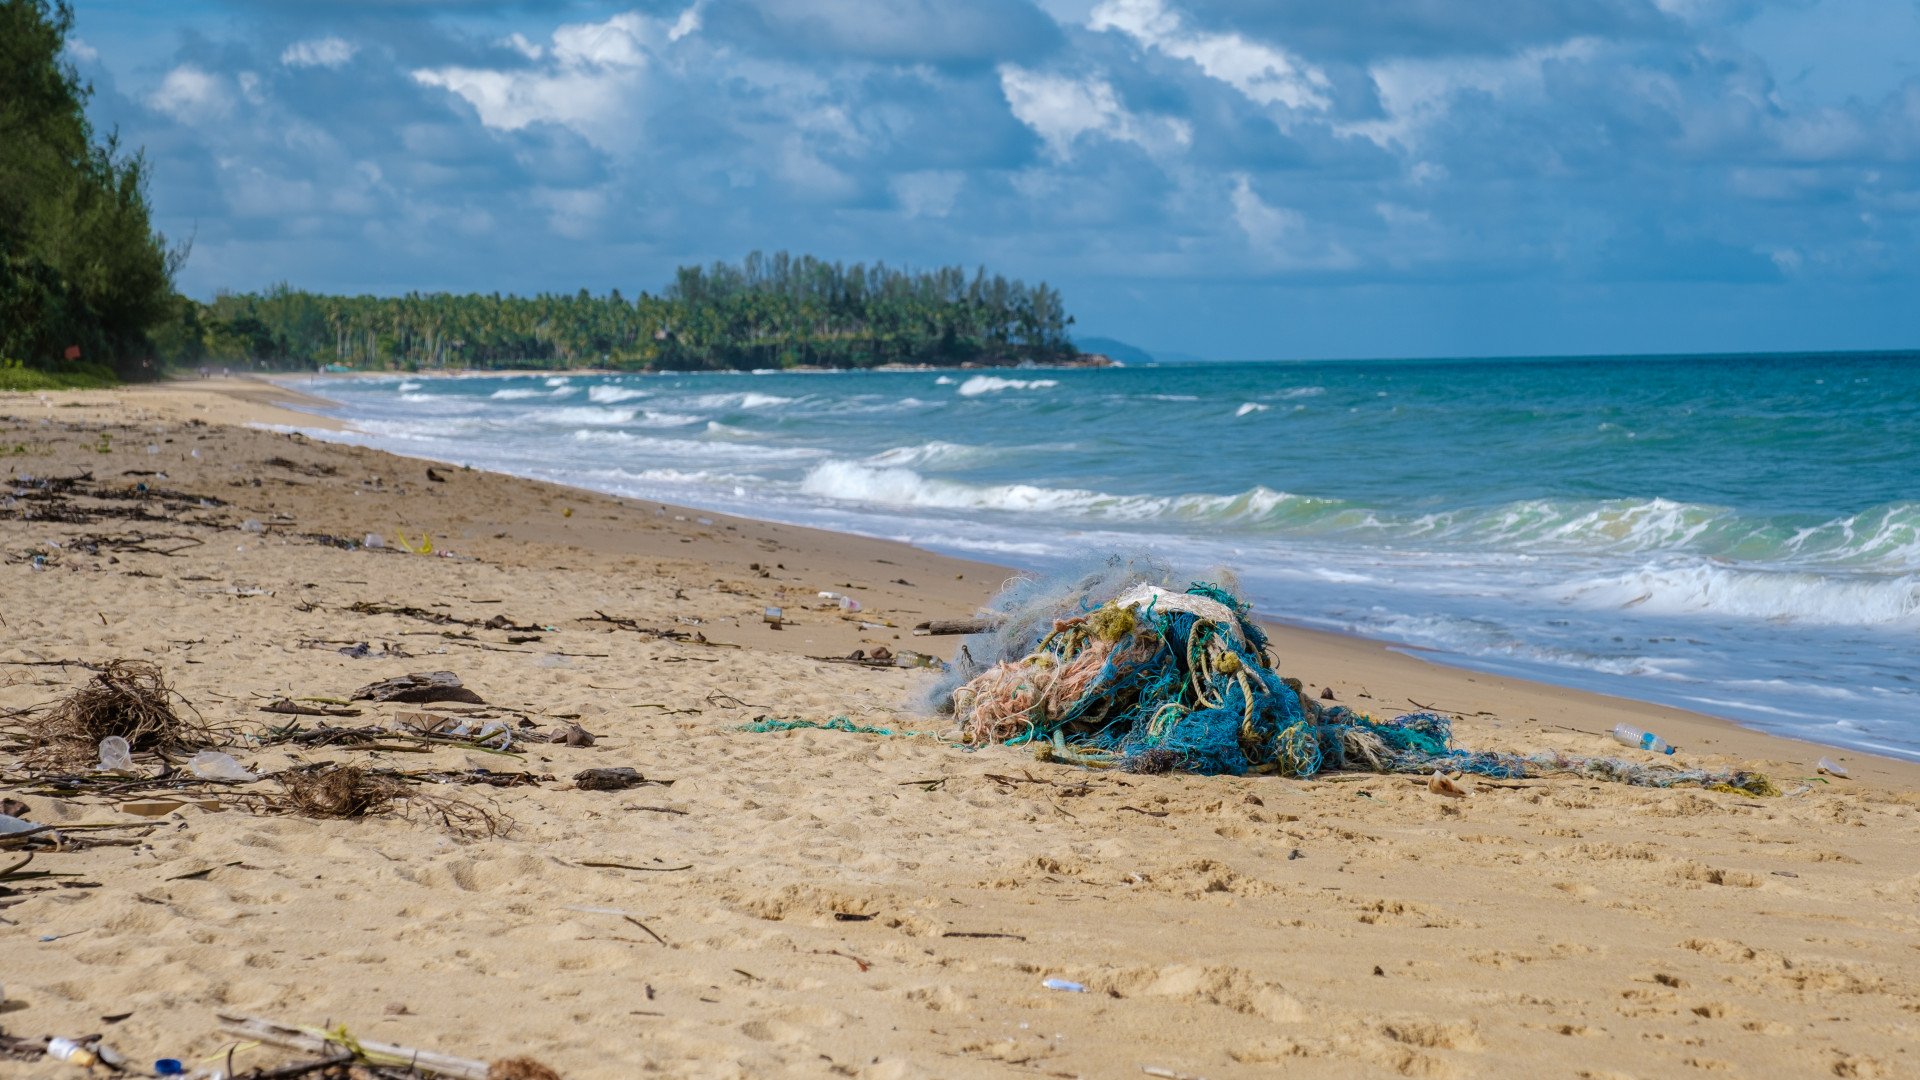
pixel 1833 768
pixel 1063 984
pixel 214 765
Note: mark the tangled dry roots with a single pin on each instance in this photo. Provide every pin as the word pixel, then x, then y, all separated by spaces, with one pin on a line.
pixel 129 698
pixel 349 791
pixel 344 791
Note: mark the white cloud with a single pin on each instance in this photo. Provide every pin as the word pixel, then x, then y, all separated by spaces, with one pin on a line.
pixel 930 193
pixel 1264 74
pixel 189 94
pixel 620 42
pixel 82 51
pixel 1265 226
pixel 519 43
pixel 687 23
pixel 510 100
pixel 329 52
pixel 1060 109
pixel 1416 92
pixel 591 80
pixel 1281 234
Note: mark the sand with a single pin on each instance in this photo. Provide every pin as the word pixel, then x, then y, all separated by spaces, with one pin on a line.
pixel 857 905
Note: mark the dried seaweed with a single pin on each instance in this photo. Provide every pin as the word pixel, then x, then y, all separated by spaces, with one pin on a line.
pixel 341 791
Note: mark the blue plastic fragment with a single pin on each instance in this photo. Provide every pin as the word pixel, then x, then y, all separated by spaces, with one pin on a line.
pixel 1062 984
pixel 168 1067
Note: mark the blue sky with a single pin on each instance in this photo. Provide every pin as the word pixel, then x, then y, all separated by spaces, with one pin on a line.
pixel 1237 179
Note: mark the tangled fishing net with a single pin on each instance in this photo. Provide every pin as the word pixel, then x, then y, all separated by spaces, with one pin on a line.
pixel 1115 671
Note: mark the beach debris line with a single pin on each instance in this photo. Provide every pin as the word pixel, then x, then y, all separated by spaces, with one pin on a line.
pixel 766 724
pixel 385 1058
pixel 1107 669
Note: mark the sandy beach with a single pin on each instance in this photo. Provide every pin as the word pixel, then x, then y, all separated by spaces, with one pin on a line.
pixel 831 903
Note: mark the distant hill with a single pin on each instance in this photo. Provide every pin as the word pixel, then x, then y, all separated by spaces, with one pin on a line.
pixel 1134 354
pixel 1117 350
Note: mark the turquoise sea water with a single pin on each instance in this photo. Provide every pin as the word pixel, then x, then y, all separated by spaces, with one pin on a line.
pixel 1735 535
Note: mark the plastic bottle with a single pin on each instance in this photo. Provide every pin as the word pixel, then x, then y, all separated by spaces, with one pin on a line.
pixel 115 755
pixel 1628 735
pixel 68 1050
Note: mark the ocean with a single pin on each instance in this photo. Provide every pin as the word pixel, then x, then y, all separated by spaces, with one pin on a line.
pixel 1734 535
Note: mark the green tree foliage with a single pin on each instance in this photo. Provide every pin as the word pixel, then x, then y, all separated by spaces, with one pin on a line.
pixel 766 312
pixel 80 266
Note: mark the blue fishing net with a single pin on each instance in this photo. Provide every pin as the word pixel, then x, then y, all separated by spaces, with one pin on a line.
pixel 1168 684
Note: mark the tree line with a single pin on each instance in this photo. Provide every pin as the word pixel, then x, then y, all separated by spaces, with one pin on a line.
pixel 764 312
pixel 83 276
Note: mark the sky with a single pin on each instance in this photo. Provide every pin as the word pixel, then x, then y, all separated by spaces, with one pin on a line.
pixel 1233 179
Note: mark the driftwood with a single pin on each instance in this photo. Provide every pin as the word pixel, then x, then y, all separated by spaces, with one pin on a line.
pixel 943 627
pixel 313 1041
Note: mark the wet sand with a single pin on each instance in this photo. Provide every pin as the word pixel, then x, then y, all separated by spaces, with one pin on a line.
pixel 1222 927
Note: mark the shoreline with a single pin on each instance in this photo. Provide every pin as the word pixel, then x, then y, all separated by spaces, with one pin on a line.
pixel 1641 712
pixel 1346 658
pixel 774 898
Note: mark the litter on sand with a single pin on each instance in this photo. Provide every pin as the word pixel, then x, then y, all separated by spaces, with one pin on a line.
pixel 1119 668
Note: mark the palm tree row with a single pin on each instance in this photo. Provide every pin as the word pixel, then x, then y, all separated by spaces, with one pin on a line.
pixel 766 312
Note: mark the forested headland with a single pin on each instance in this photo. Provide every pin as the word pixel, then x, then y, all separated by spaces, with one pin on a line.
pixel 87 286
pixel 765 312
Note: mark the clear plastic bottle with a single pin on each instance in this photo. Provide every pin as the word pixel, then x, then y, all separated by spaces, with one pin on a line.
pixel 71 1051
pixel 1628 735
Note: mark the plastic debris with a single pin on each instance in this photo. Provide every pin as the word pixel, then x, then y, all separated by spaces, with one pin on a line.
pixel 373 540
pixel 115 755
pixel 1063 984
pixel 1628 735
pixel 1832 768
pixel 11 824
pixel 252 525
pixel 1440 785
pixel 70 1051
pixel 169 1067
pixel 214 765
